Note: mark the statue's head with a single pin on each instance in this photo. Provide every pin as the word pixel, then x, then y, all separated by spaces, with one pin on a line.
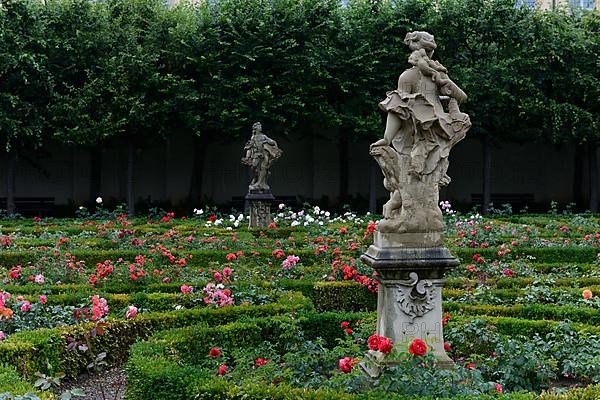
pixel 416 56
pixel 256 127
pixel 418 40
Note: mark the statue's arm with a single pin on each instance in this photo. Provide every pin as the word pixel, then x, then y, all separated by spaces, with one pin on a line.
pixel 407 82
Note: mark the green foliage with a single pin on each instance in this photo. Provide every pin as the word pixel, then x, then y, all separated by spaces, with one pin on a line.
pixel 346 296
pixel 45 350
pixel 26 84
pixel 12 387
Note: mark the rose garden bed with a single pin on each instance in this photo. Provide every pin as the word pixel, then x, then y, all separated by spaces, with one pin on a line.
pixel 83 287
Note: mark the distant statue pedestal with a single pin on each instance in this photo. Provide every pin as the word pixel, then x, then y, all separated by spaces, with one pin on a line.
pixel 259 207
pixel 409 302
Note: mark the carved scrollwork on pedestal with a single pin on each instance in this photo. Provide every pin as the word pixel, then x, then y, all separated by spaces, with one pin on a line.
pixel 415 297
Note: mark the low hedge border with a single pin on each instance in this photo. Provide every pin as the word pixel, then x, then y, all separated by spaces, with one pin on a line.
pixel 531 312
pixel 11 382
pixel 208 389
pixel 518 326
pixel 517 282
pixel 570 255
pixel 161 368
pixel 326 296
pixel 32 351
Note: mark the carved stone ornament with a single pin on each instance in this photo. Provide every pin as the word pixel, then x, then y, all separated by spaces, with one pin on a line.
pixel 415 297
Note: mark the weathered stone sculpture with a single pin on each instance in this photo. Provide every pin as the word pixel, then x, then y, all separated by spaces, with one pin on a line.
pixel 423 124
pixel 261 151
pixel 419 134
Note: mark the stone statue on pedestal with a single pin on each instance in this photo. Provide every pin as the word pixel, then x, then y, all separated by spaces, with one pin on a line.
pixel 423 123
pixel 261 151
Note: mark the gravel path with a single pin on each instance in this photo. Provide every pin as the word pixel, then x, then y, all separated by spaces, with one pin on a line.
pixel 108 385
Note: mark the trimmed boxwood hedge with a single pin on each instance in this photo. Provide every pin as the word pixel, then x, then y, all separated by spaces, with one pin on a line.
pixel 11 382
pixel 570 254
pixel 32 351
pixel 162 367
pixel 532 312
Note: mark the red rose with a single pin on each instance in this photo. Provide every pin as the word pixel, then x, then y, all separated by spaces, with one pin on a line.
pixel 373 342
pixel 346 364
pixel 261 361
pixel 222 369
pixel 417 348
pixel 345 324
pixel 380 343
pixel 214 352
pixel 447 347
pixel 385 345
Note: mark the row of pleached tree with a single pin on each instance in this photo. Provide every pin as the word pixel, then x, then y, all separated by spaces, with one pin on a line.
pixel 132 72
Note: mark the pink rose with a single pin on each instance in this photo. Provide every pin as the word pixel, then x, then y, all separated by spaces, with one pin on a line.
pixel 222 369
pixel 43 299
pixel 26 306
pixel 218 277
pixel 131 312
pixel 185 289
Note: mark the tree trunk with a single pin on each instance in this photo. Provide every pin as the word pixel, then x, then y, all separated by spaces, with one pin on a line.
pixel 195 193
pixel 594 176
pixel 11 172
pixel 130 193
pixel 373 176
pixel 578 197
pixel 486 144
pixel 95 174
pixel 344 164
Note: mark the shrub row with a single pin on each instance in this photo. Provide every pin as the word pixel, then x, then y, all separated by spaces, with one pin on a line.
pixel 142 227
pixel 569 254
pixel 207 389
pixel 518 282
pixel 163 367
pixel 306 286
pixel 35 350
pixel 92 257
pixel 326 296
pixel 531 312
pixel 11 382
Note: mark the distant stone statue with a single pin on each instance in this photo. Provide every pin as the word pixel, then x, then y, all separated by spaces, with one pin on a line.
pixel 261 151
pixel 423 123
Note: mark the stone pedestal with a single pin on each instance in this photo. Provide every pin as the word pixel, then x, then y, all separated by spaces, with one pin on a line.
pixel 259 206
pixel 410 276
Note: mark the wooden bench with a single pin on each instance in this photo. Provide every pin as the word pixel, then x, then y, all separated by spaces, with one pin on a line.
pixel 31 205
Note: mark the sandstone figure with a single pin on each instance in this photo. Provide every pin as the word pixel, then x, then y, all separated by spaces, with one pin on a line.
pixel 261 151
pixel 423 123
